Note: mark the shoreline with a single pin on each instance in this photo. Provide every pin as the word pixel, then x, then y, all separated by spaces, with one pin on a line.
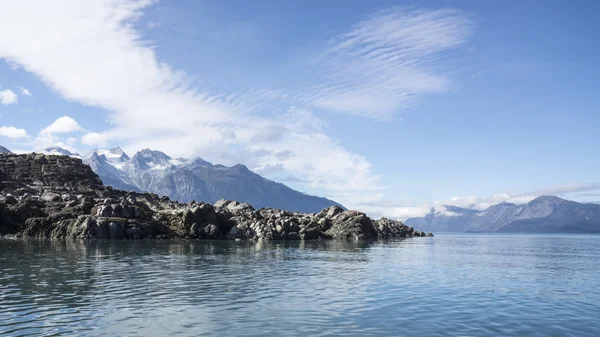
pixel 60 197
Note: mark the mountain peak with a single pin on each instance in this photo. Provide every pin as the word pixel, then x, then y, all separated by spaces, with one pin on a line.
pixel 150 159
pixel 117 150
pixel 501 205
pixel 459 210
pixel 196 163
pixel 196 179
pixel 241 168
pixel 59 151
pixel 544 214
pixel 4 150
pixel 95 156
pixel 113 155
pixel 548 198
pixel 147 153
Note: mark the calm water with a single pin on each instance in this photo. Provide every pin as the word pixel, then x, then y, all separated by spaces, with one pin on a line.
pixel 449 285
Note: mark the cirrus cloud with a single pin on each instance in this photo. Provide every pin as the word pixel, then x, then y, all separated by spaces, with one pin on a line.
pixel 94 53
pixel 24 91
pixel 388 60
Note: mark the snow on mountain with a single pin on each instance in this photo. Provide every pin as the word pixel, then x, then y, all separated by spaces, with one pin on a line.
pixel 192 179
pixel 196 179
pixel 149 160
pixel 494 217
pixel 59 151
pixel 115 157
pixel 197 162
pixel 111 173
pixel 540 207
pixel 545 214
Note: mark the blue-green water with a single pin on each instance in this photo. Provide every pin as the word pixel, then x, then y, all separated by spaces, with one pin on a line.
pixel 449 285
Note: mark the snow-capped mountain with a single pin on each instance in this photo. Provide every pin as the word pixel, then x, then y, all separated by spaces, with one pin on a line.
pixel 108 164
pixel 545 214
pixel 150 160
pixel 115 157
pixel 59 151
pixel 4 150
pixel 196 179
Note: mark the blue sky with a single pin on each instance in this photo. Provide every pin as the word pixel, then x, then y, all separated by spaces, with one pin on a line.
pixel 387 106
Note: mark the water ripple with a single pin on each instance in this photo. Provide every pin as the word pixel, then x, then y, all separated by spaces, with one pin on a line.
pixel 461 285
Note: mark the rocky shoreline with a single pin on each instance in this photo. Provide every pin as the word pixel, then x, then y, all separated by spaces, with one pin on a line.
pixel 59 197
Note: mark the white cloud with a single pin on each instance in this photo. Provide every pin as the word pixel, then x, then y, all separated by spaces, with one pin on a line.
pixel 7 96
pixel 388 60
pixel 92 53
pixel 414 208
pixel 52 135
pixel 24 91
pixel 12 132
pixel 71 141
pixel 95 139
pixel 63 124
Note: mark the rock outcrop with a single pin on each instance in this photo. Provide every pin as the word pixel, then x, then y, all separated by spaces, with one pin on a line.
pixel 186 180
pixel 60 197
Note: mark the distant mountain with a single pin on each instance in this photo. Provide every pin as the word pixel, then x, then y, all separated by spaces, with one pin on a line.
pixel 108 165
pixel 196 179
pixel 59 151
pixel 4 150
pixel 546 214
pixel 446 219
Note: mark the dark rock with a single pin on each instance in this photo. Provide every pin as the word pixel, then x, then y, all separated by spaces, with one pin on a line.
pixel 330 212
pixel 10 200
pixel 311 234
pixel 211 232
pixel 59 197
pixel 194 230
pixel 352 225
pixel 116 230
pixel 51 197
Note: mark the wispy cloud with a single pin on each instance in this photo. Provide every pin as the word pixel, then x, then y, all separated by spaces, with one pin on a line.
pixel 7 97
pixel 388 60
pixel 566 189
pixel 92 52
pixel 24 91
pixel 415 208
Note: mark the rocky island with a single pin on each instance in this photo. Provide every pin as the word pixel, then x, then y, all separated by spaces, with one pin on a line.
pixel 51 196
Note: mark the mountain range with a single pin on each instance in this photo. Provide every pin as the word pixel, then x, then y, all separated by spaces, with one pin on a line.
pixel 545 214
pixel 186 180
pixel 196 179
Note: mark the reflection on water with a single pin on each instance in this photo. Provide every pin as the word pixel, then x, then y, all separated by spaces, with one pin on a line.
pixel 475 285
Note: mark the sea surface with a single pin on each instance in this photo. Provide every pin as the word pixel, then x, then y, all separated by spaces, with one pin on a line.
pixel 448 285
